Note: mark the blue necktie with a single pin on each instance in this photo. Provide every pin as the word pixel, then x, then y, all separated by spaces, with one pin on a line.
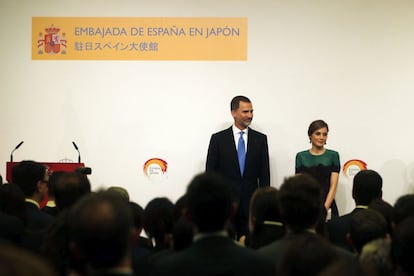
pixel 241 152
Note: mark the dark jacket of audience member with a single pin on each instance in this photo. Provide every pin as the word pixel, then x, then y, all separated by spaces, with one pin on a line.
pixel 12 214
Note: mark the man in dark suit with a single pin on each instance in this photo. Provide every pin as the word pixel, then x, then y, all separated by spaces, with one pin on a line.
pixel 210 206
pixel 241 154
pixel 367 186
pixel 32 177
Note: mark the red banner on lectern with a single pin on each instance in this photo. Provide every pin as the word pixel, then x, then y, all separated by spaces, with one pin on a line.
pixel 53 167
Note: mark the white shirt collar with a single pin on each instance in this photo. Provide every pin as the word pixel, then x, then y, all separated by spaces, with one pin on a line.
pixel 236 131
pixel 33 202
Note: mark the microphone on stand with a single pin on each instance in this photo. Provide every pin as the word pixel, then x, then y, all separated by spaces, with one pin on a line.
pixel 18 146
pixel 76 147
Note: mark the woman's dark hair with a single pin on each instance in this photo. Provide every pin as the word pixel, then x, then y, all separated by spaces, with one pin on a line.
pixel 315 125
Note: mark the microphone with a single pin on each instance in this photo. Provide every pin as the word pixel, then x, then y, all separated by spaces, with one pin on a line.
pixel 76 147
pixel 18 146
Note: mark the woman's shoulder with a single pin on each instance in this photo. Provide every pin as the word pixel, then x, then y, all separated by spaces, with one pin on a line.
pixel 332 153
pixel 303 153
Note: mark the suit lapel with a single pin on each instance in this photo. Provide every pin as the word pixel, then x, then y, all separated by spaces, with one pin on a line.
pixel 233 151
pixel 251 147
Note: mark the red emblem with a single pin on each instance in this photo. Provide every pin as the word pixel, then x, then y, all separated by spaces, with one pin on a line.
pixel 52 42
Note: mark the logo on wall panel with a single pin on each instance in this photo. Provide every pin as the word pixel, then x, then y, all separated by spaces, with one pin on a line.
pixel 52 42
pixel 353 166
pixel 155 167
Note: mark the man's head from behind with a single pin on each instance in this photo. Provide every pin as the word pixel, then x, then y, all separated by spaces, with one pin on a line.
pixel 159 220
pixel 209 201
pixel 403 208
pixel 365 226
pixel 69 188
pixel 100 229
pixel 300 202
pixel 367 186
pixel 32 177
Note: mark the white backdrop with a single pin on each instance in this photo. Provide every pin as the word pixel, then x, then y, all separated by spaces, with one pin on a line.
pixel 350 63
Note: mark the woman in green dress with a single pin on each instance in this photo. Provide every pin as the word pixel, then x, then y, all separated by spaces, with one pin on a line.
pixel 322 163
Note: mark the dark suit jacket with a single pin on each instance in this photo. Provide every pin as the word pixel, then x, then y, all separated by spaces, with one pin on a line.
pixel 338 227
pixel 222 158
pixel 215 255
pixel 11 229
pixel 276 251
pixel 37 225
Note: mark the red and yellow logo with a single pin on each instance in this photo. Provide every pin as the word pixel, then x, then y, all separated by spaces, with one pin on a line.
pixel 353 166
pixel 155 166
pixel 51 42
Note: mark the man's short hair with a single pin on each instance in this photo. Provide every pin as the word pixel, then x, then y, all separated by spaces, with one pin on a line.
pixel 365 226
pixel 367 186
pixel 403 208
pixel 27 174
pixel 209 201
pixel 70 187
pixel 402 246
pixel 300 202
pixel 235 102
pixel 159 218
pixel 100 226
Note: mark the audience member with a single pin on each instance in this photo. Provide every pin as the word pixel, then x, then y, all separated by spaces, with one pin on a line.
pixel 385 208
pixel 12 214
pixel 367 186
pixel 158 225
pixel 12 201
pixel 365 226
pixel 210 207
pixel 140 245
pixel 344 268
pixel 16 261
pixel 70 188
pixel 402 247
pixel 300 208
pixel 50 207
pixel 159 221
pixel 183 230
pixel 32 178
pixel 375 257
pixel 100 233
pixel 403 208
pixel 308 254
pixel 121 191
pixel 265 222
